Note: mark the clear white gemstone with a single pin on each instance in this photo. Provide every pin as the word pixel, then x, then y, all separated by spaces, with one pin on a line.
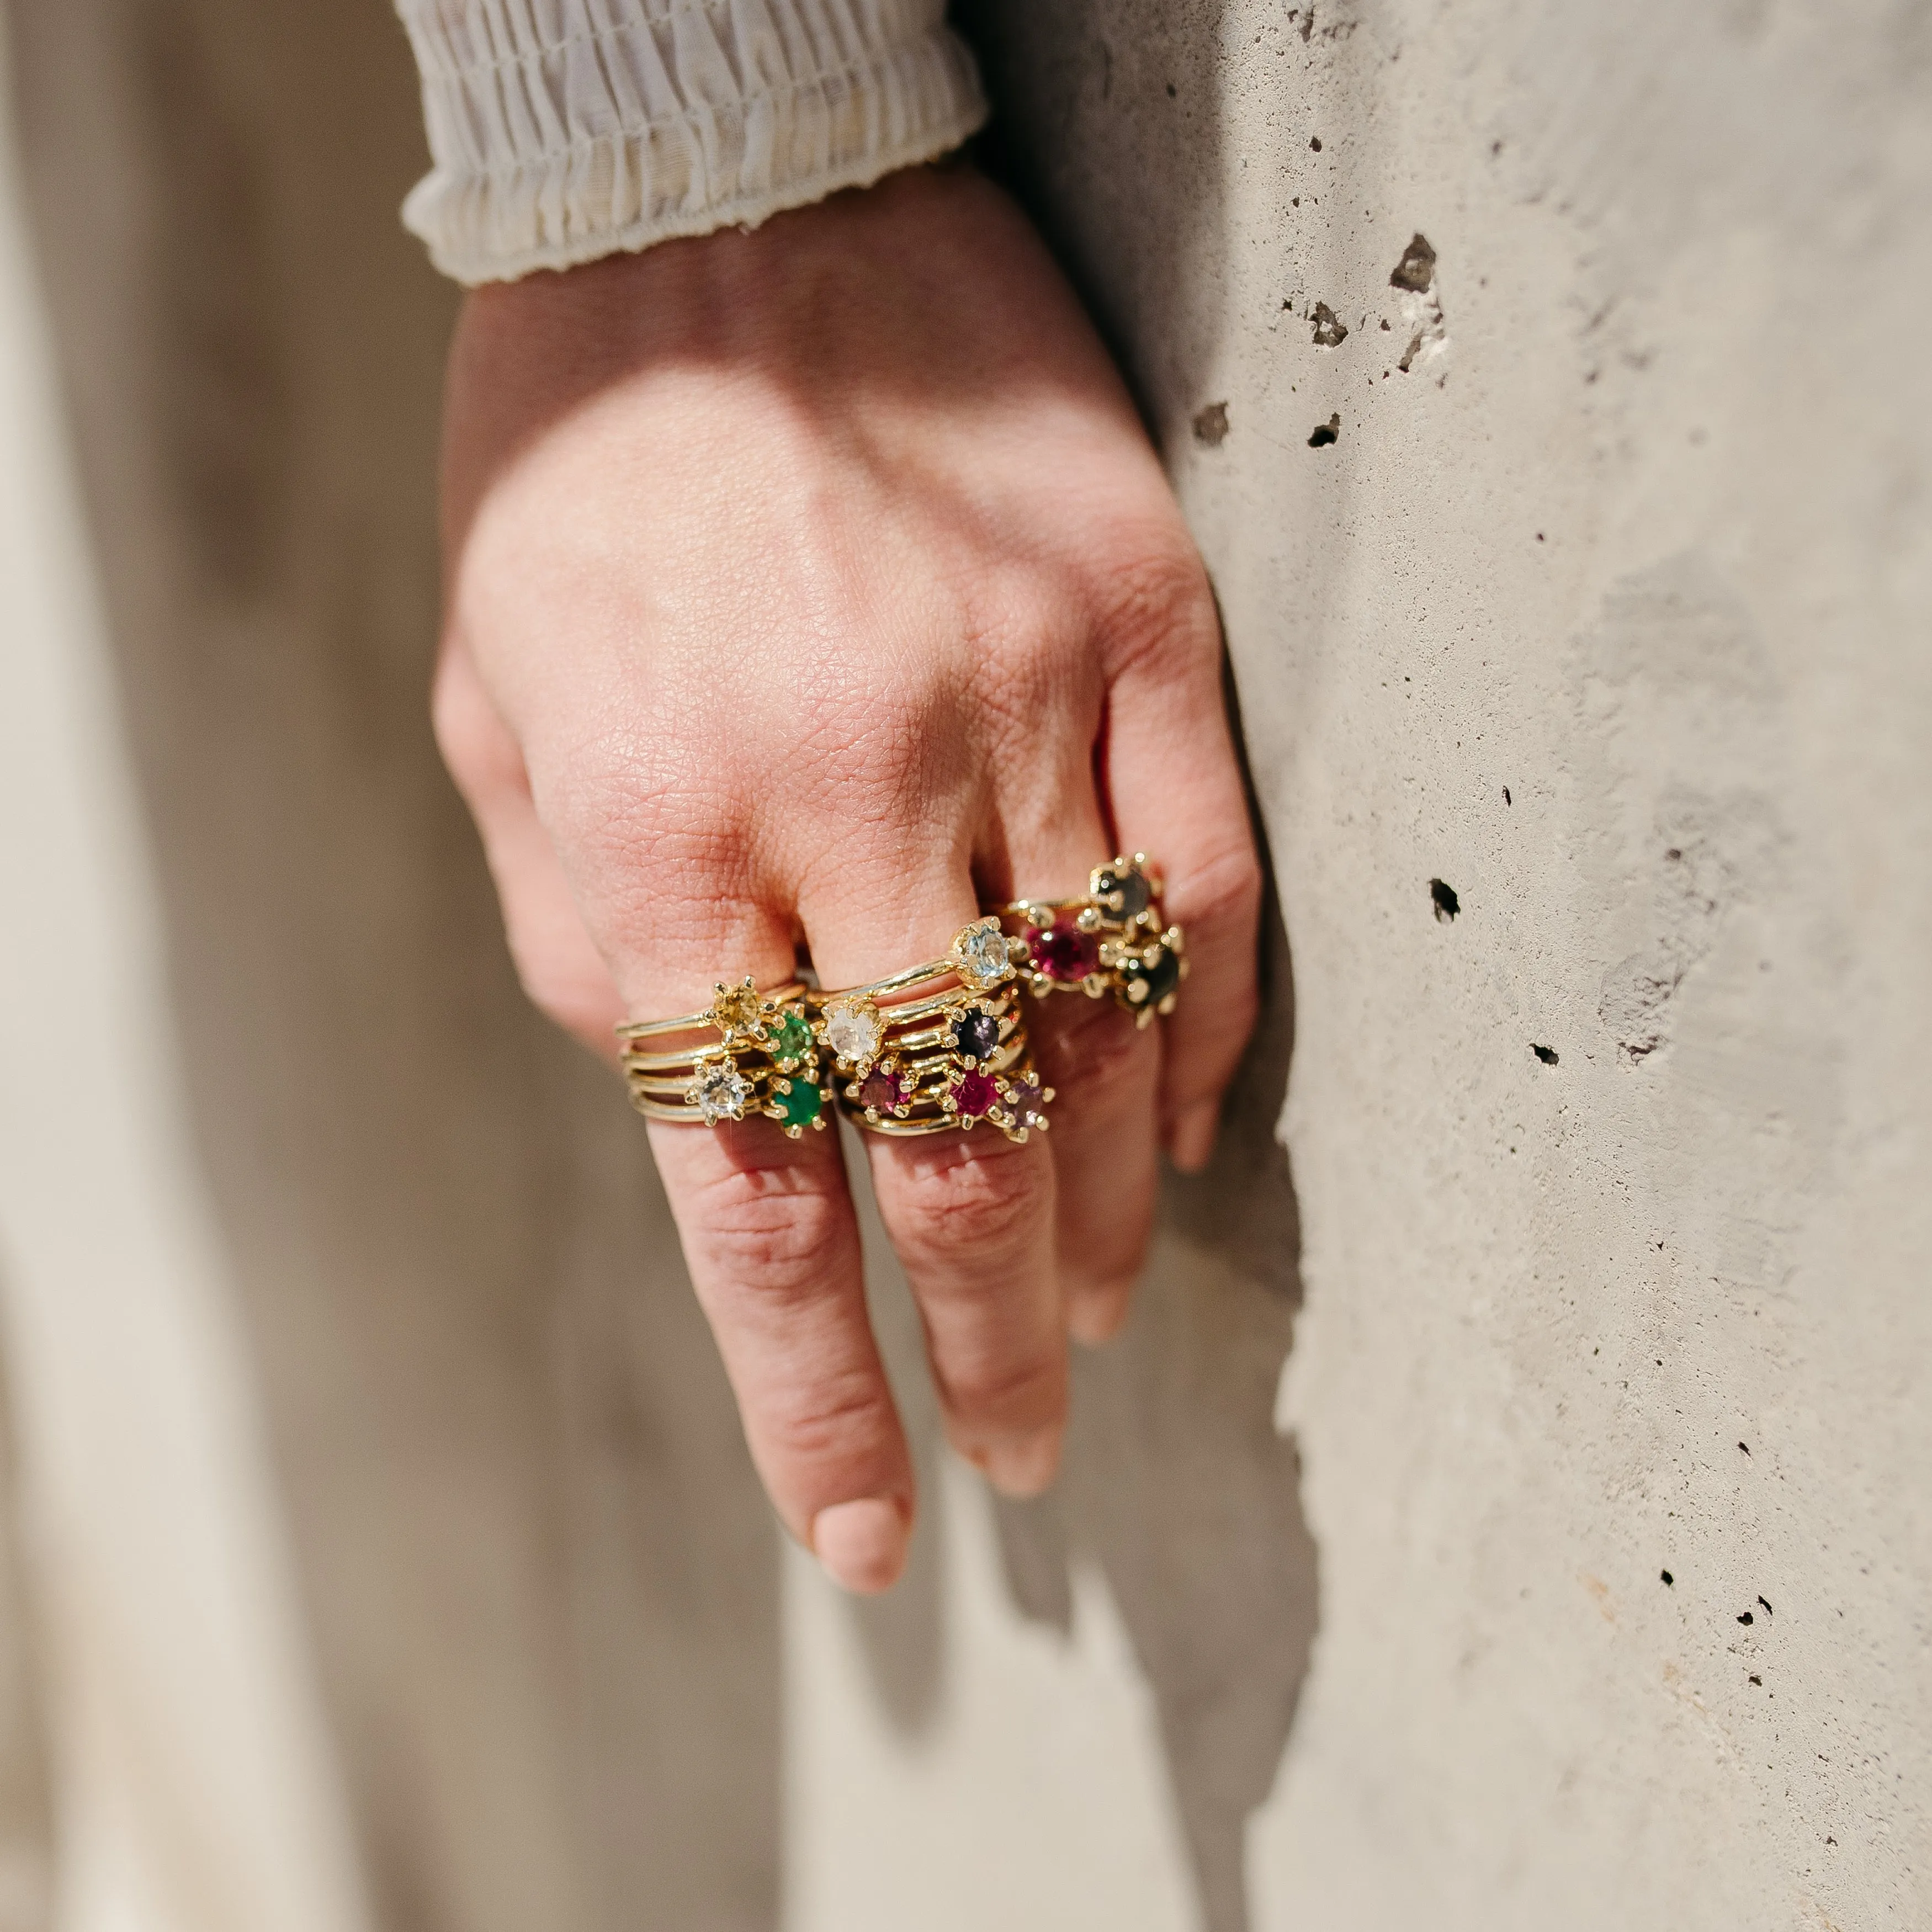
pixel 723 1093
pixel 852 1033
pixel 983 949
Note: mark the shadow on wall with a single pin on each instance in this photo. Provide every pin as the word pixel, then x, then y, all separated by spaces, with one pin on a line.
pixel 1179 1485
pixel 1176 1483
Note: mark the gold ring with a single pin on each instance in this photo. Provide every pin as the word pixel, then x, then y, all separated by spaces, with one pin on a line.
pixel 939 1046
pixel 748 1054
pixel 1111 939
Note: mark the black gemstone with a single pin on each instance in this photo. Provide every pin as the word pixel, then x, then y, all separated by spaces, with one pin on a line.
pixel 1135 893
pixel 976 1035
pixel 1159 976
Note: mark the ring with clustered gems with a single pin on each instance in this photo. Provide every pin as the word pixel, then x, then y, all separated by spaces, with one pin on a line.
pixel 940 1046
pixel 749 1054
pixel 1112 939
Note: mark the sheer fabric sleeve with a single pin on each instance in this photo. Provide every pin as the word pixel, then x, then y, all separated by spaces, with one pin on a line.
pixel 563 129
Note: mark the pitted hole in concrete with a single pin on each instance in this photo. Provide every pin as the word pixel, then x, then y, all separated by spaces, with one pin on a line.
pixel 1547 1054
pixel 1172 90
pixel 1331 331
pixel 1507 798
pixel 1670 1582
pixel 1446 904
pixel 1756 1679
pixel 1211 426
pixel 1315 144
pixel 1745 1446
pixel 1745 1617
pixel 1417 269
pixel 1764 1606
pixel 1414 280
pixel 1322 434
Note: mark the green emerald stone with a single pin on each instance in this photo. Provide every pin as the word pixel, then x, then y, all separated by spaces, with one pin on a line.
pixel 801 1104
pixel 789 1037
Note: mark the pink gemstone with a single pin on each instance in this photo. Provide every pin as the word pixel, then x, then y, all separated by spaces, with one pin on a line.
pixel 882 1089
pixel 1062 952
pixel 974 1094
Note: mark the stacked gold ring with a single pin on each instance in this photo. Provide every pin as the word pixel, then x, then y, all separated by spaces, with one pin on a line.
pixel 748 1054
pixel 1111 939
pixel 940 1046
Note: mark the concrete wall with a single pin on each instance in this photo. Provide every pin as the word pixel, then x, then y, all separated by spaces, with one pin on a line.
pixel 1606 605
pixel 1590 1247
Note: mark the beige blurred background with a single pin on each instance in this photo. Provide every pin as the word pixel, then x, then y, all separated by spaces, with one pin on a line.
pixel 379 1551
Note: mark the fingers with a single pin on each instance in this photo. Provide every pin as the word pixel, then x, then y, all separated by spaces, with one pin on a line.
pixel 969 1212
pixel 772 1247
pixel 1176 792
pixel 558 964
pixel 767 1224
pixel 1104 1071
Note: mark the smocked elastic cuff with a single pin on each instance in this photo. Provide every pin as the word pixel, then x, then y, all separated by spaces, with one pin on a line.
pixel 564 130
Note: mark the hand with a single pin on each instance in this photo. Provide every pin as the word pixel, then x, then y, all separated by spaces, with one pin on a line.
pixel 818 584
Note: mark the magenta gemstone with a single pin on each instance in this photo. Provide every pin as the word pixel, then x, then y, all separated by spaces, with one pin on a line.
pixel 882 1089
pixel 974 1095
pixel 1063 951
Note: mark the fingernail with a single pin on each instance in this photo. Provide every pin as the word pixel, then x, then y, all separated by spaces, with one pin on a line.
pixel 1193 1145
pixel 1023 1468
pixel 863 1544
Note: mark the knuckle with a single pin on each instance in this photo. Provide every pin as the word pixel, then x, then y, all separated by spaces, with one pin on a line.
pixel 968 1198
pixel 1222 890
pixel 1157 608
pixel 766 1232
pixel 571 999
pixel 1005 1392
pixel 476 744
pixel 1099 1057
pixel 829 1417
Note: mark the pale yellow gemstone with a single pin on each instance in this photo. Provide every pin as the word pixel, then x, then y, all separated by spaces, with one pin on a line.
pixel 737 1010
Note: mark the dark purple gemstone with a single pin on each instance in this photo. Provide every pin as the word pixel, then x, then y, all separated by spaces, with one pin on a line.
pixel 976 1035
pixel 882 1089
pixel 1135 893
pixel 1062 952
pixel 973 1095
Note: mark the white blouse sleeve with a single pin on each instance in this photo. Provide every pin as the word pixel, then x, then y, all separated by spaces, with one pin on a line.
pixel 563 129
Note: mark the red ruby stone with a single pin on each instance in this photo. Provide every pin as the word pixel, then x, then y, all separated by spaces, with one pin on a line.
pixel 1062 952
pixel 974 1095
pixel 882 1089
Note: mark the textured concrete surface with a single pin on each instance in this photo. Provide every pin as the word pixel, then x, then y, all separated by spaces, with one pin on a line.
pixel 1508 1505
pixel 1609 611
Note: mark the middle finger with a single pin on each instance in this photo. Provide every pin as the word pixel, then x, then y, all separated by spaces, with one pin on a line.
pixel 971 1213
